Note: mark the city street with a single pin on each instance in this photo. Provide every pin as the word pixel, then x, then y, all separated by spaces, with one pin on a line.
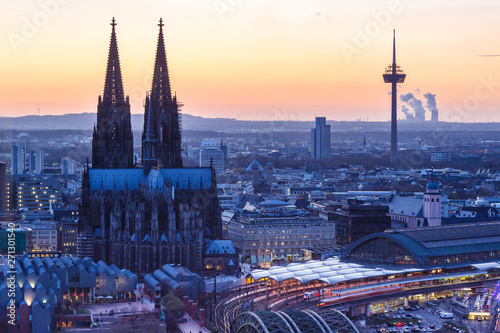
pixel 192 326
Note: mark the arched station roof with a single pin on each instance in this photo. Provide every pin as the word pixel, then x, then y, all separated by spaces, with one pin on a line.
pixel 423 243
pixel 330 271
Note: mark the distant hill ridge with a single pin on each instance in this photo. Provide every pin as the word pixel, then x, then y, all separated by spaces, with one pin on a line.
pixel 86 121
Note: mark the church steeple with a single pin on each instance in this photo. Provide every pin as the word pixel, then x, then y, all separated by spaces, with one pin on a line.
pixel 162 109
pixel 112 143
pixel 113 86
pixel 160 90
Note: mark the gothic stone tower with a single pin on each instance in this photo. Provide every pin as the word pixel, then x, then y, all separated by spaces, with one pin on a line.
pixel 142 219
pixel 162 115
pixel 112 144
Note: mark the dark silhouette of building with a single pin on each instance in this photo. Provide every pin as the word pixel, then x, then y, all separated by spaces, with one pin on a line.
pixel 394 75
pixel 356 219
pixel 112 144
pixel 320 140
pixel 161 138
pixel 221 258
pixel 142 217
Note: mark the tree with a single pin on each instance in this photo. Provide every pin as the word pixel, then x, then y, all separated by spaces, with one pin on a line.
pixel 173 304
pixel 165 299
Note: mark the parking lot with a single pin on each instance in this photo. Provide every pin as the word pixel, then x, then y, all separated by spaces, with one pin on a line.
pixel 421 318
pixel 417 319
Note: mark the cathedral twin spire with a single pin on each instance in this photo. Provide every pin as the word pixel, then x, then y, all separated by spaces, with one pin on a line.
pixel 112 142
pixel 160 89
pixel 161 133
pixel 113 86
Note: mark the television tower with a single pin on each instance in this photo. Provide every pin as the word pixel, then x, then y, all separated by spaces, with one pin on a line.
pixel 394 74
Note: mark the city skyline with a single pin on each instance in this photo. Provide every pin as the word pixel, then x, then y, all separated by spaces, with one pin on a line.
pixel 250 60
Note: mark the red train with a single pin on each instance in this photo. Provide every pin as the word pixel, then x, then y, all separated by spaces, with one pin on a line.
pixel 346 296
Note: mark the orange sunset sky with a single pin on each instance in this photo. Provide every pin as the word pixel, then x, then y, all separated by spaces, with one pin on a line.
pixel 255 59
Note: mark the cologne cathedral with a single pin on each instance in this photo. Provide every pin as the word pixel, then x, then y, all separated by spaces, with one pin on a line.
pixel 142 216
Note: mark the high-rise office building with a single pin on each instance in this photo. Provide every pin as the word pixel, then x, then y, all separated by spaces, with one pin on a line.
pixel 68 166
pixel 320 140
pixel 18 159
pixel 31 194
pixel 211 154
pixel 36 161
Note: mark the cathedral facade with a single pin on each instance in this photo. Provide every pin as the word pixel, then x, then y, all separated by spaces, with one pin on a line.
pixel 143 216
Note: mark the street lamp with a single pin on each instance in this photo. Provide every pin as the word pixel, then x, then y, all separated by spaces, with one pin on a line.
pixel 253 293
pixel 319 294
pixel 267 296
pixel 287 293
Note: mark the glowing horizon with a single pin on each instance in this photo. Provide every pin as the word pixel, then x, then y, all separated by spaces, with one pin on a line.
pixel 255 60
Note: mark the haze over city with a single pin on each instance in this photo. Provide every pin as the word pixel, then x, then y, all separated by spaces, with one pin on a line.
pixel 269 60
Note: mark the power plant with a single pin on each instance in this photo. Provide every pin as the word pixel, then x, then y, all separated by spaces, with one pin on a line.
pixel 418 111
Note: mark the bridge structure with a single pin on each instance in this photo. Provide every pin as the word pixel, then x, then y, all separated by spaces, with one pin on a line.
pixel 293 321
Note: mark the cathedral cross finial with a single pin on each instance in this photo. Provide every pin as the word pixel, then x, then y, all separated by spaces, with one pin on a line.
pixel 113 23
pixel 161 23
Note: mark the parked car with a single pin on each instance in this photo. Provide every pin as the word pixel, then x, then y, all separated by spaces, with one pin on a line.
pixel 446 314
